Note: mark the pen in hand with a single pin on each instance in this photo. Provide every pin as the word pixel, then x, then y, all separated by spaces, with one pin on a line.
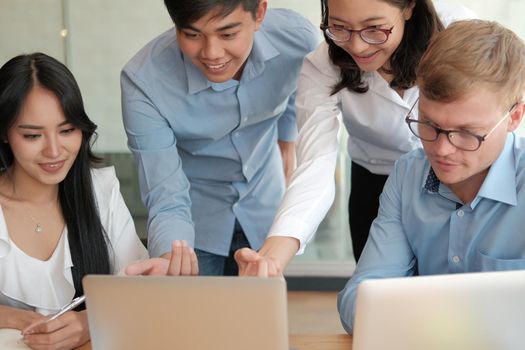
pixel 73 304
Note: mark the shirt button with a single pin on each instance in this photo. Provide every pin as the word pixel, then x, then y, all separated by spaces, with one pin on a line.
pixel 461 213
pixel 245 118
pixel 235 205
pixel 456 259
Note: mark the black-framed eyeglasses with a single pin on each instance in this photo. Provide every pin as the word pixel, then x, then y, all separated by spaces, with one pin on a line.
pixel 461 139
pixel 370 35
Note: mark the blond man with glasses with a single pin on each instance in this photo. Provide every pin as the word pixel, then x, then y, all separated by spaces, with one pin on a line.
pixel 457 204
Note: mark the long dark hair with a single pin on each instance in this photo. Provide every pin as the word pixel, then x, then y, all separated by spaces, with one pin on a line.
pixel 419 29
pixel 87 238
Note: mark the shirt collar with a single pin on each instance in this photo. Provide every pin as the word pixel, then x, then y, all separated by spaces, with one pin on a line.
pixel 196 80
pixel 262 51
pixel 431 182
pixel 500 183
pixel 377 84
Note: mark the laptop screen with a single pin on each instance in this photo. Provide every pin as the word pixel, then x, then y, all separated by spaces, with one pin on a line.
pixel 186 312
pixel 460 311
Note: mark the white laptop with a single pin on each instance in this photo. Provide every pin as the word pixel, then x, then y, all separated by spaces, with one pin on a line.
pixel 186 313
pixel 475 311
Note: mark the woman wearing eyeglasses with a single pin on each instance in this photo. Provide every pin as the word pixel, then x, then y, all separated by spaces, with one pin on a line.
pixel 365 72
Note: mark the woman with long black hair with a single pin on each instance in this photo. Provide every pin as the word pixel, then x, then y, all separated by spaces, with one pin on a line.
pixel 61 217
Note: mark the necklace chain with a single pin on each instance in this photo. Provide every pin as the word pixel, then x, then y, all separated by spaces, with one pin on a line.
pixel 38 228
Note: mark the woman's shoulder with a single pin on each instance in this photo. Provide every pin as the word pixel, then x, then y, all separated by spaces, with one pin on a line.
pixel 320 60
pixel 104 179
pixel 320 54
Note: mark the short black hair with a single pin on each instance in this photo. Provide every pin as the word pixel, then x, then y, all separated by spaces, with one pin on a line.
pixel 185 12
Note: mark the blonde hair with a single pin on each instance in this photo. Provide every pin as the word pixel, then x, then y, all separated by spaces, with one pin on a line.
pixel 473 54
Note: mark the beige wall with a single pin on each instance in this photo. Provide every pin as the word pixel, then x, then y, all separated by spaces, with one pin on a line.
pixel 29 25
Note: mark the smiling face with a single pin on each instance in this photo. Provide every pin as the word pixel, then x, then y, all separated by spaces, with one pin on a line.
pixel 219 46
pixel 360 14
pixel 44 144
pixel 478 112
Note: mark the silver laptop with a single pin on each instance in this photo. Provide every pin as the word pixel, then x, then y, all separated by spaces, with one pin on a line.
pixel 186 313
pixel 475 311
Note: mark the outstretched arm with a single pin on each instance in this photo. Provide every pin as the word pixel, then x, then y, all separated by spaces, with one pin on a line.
pixel 163 184
pixel 311 190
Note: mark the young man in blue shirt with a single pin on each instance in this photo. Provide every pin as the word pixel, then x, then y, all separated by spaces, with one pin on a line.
pixel 208 109
pixel 458 205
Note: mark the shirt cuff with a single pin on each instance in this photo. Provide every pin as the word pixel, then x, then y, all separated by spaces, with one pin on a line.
pixel 160 236
pixel 292 227
pixel 287 129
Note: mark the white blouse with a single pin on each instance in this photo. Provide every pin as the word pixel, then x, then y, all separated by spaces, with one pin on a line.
pixel 375 121
pixel 46 286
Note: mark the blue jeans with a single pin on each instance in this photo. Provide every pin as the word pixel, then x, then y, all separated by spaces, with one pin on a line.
pixel 217 265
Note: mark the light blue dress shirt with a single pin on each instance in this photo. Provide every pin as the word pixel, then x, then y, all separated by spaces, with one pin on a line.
pixel 423 228
pixel 206 152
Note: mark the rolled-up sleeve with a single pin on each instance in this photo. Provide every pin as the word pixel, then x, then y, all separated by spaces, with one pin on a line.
pixel 287 126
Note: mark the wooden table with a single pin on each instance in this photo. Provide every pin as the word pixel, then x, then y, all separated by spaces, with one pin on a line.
pixel 305 342
pixel 321 342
